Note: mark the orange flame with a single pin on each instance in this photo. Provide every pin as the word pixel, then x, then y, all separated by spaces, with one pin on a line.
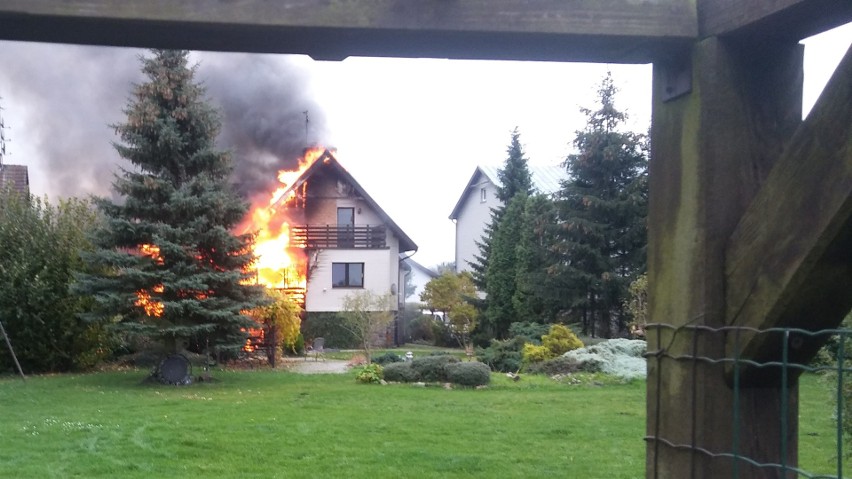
pixel 280 265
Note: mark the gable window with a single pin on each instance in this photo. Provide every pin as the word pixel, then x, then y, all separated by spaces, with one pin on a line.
pixel 347 275
pixel 483 195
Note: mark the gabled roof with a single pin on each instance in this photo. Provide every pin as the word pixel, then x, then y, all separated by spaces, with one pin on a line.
pixel 327 160
pixel 415 265
pixel 15 177
pixel 545 179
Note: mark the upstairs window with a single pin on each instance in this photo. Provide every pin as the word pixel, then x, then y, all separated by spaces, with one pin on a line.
pixel 483 195
pixel 347 275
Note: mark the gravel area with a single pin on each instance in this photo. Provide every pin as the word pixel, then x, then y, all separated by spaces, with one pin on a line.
pixel 329 366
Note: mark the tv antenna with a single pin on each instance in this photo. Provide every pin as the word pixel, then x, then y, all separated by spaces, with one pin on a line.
pixel 307 121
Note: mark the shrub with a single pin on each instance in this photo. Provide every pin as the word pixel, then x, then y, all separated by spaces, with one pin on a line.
pixel 535 354
pixel 443 334
pixel 616 357
pixel 420 329
pixel 299 345
pixel 400 373
pixel 330 327
pixel 504 356
pixel 469 374
pixel 530 331
pixel 432 368
pixel 551 367
pixel 370 374
pixel 560 340
pixel 388 358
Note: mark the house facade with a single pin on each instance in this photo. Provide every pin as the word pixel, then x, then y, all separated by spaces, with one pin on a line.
pixel 351 244
pixel 420 275
pixel 472 213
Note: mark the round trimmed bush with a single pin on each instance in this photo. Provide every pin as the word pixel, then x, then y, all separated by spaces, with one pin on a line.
pixel 432 369
pixel 387 358
pixel 470 374
pixel 400 373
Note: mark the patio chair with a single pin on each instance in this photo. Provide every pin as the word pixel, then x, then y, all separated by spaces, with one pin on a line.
pixel 317 349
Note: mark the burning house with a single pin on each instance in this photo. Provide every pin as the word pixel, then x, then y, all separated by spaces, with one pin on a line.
pixel 321 236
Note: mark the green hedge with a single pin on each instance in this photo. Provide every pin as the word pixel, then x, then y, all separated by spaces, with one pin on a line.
pixel 330 327
pixel 470 374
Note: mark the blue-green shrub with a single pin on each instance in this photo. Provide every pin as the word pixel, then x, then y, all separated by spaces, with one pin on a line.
pixel 504 356
pixel 469 374
pixel 400 373
pixel 432 368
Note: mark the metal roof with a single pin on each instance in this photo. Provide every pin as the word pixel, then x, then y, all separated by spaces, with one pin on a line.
pixel 546 180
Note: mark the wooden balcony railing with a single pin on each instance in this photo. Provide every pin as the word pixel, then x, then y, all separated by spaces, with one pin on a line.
pixel 332 236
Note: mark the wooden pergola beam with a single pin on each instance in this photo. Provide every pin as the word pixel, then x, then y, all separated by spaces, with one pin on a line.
pixel 600 30
pixel 776 19
pixel 789 261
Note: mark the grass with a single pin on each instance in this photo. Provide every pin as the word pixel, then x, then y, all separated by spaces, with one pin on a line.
pixel 267 423
pixel 279 424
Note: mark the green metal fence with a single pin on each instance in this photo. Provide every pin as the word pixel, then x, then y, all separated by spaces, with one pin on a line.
pixel 840 372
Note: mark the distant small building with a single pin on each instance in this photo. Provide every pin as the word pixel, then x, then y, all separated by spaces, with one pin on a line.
pixel 420 275
pixel 472 212
pixel 15 177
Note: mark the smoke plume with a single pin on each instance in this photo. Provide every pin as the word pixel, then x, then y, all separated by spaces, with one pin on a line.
pixel 60 100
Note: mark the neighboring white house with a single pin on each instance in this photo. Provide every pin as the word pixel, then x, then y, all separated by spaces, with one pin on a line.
pixel 351 243
pixel 420 275
pixel 472 212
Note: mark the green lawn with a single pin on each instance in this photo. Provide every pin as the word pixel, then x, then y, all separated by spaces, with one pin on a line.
pixel 278 424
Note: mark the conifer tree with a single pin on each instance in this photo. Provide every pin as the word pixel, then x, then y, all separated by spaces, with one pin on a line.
pixel 538 296
pixel 501 272
pixel 602 208
pixel 172 268
pixel 514 178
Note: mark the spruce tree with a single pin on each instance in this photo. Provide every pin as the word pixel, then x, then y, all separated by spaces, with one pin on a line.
pixel 171 268
pixel 514 178
pixel 602 208
pixel 500 274
pixel 538 296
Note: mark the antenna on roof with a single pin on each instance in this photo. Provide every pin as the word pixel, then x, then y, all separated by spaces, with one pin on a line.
pixel 306 128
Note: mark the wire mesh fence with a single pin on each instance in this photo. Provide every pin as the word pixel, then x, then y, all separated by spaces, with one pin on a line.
pixel 783 366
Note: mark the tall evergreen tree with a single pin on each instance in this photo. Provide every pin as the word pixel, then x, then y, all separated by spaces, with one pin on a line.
pixel 173 269
pixel 514 178
pixel 602 212
pixel 500 275
pixel 537 296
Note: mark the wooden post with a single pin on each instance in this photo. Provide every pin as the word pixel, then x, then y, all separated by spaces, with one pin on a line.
pixel 711 149
pixel 12 351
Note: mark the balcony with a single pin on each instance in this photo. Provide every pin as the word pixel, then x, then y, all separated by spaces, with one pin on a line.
pixel 332 236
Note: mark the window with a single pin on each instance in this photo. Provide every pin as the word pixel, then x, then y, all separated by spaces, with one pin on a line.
pixel 483 195
pixel 345 227
pixel 347 275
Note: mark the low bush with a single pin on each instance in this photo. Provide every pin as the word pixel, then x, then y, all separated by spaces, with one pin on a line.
pixel 388 358
pixel 400 373
pixel 420 329
pixel 552 367
pixel 370 374
pixel 617 357
pixel 432 368
pixel 469 374
pixel 504 356
pixel 443 335
pixel 535 354
pixel 560 340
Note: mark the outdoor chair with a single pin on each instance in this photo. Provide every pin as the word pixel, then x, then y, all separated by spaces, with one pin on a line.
pixel 317 349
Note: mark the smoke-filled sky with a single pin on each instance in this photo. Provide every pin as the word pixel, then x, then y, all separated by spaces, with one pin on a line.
pixel 411 131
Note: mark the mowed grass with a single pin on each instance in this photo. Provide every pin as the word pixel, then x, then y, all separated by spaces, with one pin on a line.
pixel 280 424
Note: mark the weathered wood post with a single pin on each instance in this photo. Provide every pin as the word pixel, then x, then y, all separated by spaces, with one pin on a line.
pixel 711 149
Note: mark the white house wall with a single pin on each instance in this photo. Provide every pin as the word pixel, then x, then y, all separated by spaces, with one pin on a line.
pixel 472 219
pixel 379 274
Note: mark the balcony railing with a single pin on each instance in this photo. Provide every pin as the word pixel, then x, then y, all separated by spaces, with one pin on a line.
pixel 332 236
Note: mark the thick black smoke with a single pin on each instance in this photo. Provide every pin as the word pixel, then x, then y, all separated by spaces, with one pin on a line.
pixel 65 97
pixel 263 100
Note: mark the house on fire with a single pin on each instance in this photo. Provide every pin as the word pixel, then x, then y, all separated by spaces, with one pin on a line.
pixel 350 243
pixel 472 212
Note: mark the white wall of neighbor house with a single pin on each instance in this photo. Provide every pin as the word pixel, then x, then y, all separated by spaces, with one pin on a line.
pixel 473 216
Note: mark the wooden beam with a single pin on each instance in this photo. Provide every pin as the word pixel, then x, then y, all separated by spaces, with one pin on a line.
pixel 789 262
pixel 711 150
pixel 790 20
pixel 579 30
